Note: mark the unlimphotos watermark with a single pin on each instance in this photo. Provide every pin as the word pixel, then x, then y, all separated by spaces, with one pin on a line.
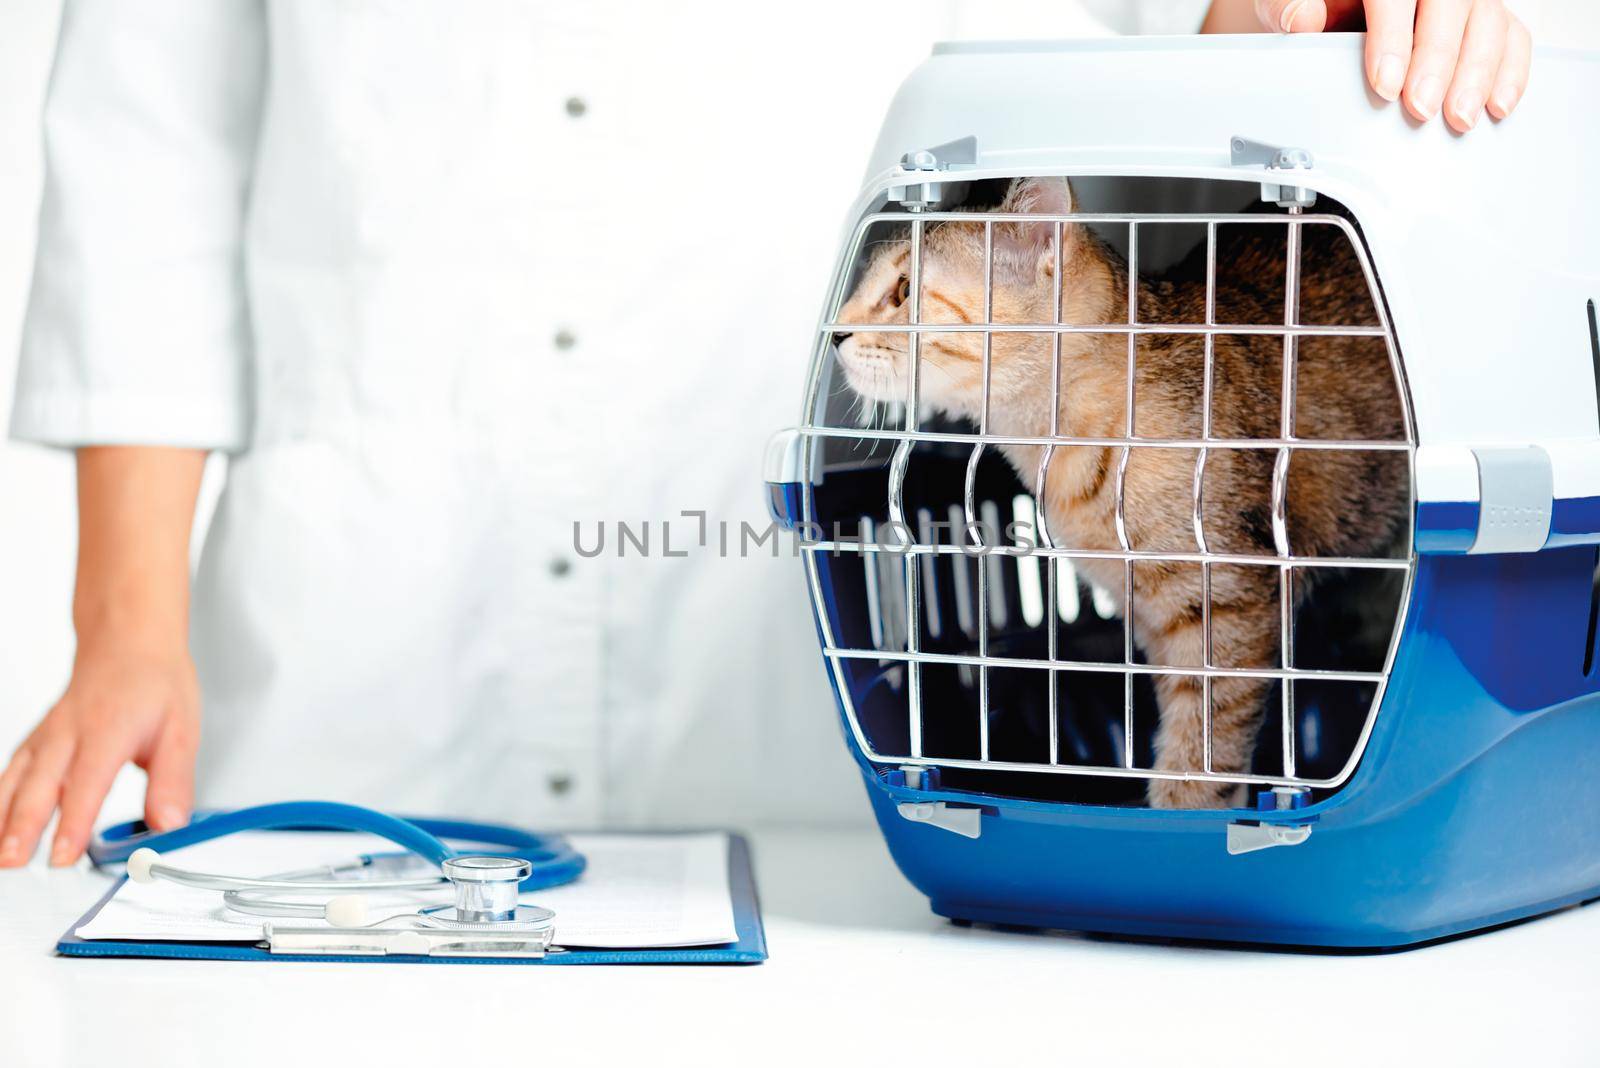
pixel 676 538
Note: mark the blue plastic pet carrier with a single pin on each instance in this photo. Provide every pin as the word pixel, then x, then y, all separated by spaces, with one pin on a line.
pixel 1429 762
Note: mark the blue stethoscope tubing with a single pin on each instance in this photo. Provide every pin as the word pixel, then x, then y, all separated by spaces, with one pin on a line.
pixel 554 860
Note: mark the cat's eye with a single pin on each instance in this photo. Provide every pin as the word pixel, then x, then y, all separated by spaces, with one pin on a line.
pixel 902 292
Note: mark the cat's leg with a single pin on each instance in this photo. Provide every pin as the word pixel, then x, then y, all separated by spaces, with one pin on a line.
pixel 1180 740
pixel 1243 633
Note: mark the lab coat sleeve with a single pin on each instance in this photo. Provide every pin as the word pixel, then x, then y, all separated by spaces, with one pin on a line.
pixel 137 330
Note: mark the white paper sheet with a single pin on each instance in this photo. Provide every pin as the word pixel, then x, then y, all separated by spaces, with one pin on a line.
pixel 639 891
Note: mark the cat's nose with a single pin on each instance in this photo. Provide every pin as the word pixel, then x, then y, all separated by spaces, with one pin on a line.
pixel 839 339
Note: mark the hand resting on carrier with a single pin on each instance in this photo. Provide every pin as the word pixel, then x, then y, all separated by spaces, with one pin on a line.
pixel 1463 57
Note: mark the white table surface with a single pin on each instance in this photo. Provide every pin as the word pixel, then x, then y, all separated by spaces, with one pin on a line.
pixel 860 971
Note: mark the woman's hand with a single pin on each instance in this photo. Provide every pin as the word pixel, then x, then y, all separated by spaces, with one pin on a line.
pixel 1460 56
pixel 123 704
pixel 133 694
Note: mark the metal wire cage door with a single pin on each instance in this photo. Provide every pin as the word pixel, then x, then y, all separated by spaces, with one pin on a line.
pixel 964 633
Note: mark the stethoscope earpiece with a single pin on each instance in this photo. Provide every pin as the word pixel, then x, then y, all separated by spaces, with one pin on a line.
pixel 140 862
pixel 348 910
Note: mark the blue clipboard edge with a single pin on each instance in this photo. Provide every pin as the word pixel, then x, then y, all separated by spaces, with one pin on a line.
pixel 751 947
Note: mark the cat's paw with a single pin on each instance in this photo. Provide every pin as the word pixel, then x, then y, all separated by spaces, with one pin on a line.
pixel 1193 793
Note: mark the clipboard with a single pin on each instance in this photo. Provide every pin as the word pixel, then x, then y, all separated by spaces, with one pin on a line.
pixel 749 948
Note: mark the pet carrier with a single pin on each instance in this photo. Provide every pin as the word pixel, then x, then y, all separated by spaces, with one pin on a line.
pixel 1428 760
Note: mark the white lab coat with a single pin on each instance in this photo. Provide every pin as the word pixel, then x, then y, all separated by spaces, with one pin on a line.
pixel 444 280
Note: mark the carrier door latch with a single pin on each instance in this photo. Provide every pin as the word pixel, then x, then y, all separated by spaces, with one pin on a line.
pixel 957 819
pixel 965 820
pixel 1277 161
pixel 1249 837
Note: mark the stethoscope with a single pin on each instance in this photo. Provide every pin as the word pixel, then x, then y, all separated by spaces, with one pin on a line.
pixel 485 884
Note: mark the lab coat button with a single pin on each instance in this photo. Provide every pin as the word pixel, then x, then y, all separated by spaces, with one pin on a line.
pixel 565 339
pixel 577 106
pixel 559 783
pixel 560 566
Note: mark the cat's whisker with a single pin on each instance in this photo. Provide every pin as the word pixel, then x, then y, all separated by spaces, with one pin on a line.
pixel 928 365
pixel 866 414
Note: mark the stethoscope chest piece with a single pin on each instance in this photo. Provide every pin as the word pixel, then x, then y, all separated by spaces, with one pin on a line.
pixel 485 887
pixel 486 892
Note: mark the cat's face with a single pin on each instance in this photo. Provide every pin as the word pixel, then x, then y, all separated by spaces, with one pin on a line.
pixel 877 364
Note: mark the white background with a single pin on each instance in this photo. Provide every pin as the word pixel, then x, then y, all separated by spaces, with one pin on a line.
pixel 37 532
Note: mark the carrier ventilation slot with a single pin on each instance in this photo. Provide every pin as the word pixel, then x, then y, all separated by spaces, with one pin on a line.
pixel 1594 618
pixel 1594 353
pixel 1594 585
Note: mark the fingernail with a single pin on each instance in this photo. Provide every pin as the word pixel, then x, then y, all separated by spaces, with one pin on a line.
pixel 1286 20
pixel 1427 94
pixel 1469 107
pixel 10 851
pixel 1391 75
pixel 60 853
pixel 1505 98
pixel 169 817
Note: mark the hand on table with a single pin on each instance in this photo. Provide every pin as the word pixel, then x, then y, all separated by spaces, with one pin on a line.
pixel 123 704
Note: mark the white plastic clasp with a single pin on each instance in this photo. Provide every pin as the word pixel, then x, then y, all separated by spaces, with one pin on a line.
pixel 1249 837
pixel 784 459
pixel 957 819
pixel 1516 488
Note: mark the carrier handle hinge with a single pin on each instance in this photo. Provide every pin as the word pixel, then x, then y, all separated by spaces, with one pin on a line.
pixel 1275 159
pixel 919 192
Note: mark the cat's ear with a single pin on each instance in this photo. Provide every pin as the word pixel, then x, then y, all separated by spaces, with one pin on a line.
pixel 1029 249
pixel 1038 196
